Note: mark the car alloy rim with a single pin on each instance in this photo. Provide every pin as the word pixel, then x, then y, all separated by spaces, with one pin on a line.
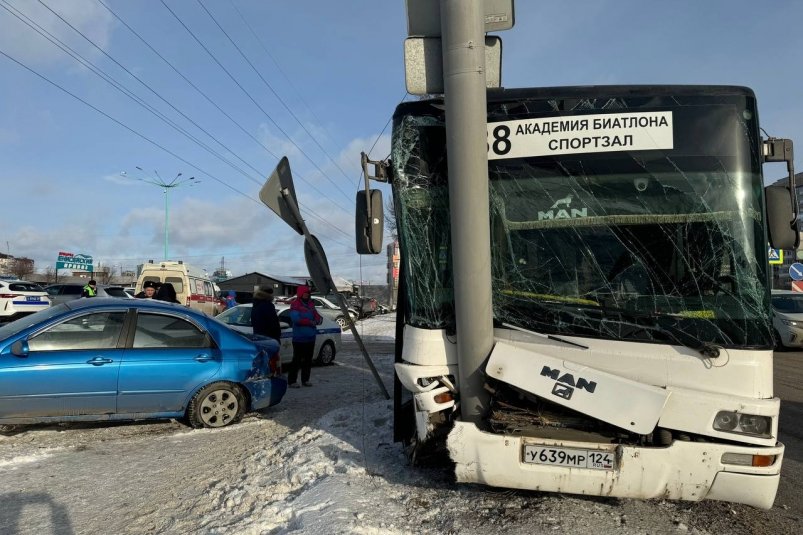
pixel 341 322
pixel 326 354
pixel 219 408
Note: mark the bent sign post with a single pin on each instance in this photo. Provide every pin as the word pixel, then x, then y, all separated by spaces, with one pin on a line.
pixel 279 195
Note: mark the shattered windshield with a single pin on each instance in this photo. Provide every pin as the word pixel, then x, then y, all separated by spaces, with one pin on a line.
pixel 599 241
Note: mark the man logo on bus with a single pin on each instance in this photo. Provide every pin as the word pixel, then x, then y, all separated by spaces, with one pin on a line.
pixel 566 384
pixel 562 209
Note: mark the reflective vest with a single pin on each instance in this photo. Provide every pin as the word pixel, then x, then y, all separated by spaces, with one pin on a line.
pixel 90 292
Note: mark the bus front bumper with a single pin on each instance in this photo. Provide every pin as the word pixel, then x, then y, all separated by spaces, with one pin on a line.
pixel 683 471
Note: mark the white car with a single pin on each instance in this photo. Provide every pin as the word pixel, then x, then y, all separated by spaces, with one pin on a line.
pixel 787 318
pixel 18 298
pixel 327 342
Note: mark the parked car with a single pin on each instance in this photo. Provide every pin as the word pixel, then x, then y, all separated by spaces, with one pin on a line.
pixel 18 298
pixel 124 359
pixel 131 290
pixel 61 293
pixel 328 308
pixel 382 309
pixel 787 318
pixel 327 342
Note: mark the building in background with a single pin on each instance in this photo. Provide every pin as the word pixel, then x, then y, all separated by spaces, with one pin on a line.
pixel 13 267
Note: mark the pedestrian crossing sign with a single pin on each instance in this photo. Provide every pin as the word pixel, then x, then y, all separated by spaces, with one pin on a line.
pixel 775 256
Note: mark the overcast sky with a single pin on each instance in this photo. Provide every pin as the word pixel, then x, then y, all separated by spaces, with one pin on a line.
pixel 326 77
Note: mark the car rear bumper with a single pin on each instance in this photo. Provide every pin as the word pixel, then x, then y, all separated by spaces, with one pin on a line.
pixel 266 392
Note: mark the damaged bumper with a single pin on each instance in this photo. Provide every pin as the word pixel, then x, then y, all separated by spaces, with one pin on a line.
pixel 266 392
pixel 683 471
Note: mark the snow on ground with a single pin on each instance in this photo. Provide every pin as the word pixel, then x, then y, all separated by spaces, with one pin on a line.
pixel 321 462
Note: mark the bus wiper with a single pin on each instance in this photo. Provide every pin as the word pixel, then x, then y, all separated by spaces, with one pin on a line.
pixel 543 335
pixel 676 335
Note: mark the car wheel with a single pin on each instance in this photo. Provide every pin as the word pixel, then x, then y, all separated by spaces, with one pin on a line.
pixel 326 355
pixel 216 405
pixel 341 320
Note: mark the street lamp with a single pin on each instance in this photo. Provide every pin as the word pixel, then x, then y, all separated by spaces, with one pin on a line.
pixel 166 187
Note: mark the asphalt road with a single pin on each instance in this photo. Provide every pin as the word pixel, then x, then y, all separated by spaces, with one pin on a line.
pixel 789 387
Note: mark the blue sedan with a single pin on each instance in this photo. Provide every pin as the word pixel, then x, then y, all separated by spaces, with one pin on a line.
pixel 124 359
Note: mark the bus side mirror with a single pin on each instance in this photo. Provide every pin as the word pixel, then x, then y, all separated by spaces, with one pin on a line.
pixel 781 223
pixel 369 222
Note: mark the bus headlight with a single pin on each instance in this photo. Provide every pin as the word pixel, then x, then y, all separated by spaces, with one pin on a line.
pixel 744 424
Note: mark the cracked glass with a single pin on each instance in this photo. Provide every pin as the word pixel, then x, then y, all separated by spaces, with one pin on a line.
pixel 664 245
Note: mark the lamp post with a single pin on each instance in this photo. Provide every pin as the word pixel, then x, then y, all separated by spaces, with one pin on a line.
pixel 166 187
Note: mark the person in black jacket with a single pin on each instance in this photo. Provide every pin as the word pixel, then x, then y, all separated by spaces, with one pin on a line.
pixel 263 315
pixel 166 292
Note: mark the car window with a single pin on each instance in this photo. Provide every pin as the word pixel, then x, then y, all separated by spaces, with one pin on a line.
pixel 24 287
pixel 318 302
pixel 115 291
pixel 53 290
pixel 71 289
pixel 177 282
pixel 208 288
pixel 100 330
pixel 240 316
pixel 162 330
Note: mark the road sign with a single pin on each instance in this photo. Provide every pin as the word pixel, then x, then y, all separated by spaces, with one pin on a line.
pixel 423 64
pixel 775 256
pixel 796 271
pixel 797 286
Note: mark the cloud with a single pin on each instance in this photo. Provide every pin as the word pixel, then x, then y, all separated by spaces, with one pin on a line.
pixel 23 43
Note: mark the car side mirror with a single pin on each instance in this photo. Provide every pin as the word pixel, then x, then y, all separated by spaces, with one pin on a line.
pixel 20 348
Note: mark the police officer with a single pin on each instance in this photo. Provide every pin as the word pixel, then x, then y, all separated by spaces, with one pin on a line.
pixel 91 289
pixel 148 289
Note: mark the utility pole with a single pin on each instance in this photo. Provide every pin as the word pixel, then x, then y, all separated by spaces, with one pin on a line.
pixel 463 45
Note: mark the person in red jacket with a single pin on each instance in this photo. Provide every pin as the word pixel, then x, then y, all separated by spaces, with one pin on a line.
pixel 305 321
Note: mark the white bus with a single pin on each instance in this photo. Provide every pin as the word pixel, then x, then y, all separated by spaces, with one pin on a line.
pixel 632 332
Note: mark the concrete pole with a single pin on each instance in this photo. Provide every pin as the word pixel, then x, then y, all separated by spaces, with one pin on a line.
pixel 463 41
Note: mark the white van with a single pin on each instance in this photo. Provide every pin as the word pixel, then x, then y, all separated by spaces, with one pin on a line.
pixel 193 286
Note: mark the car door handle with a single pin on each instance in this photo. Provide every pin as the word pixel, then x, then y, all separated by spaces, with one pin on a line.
pixel 203 358
pixel 99 361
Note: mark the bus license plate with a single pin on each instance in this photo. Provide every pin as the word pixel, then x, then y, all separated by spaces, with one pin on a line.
pixel 572 458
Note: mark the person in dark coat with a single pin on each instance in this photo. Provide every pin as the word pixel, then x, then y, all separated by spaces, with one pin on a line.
pixel 167 293
pixel 148 290
pixel 305 321
pixel 264 319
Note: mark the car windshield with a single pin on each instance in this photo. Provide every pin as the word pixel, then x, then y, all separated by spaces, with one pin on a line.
pixel 115 291
pixel 12 328
pixel 240 316
pixel 791 304
pixel 24 287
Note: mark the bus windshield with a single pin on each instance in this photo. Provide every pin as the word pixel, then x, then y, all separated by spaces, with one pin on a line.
pixel 624 244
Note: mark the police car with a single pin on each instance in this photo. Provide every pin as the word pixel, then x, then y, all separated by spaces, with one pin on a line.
pixel 327 342
pixel 18 298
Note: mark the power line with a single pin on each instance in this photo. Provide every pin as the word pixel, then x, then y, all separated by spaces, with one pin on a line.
pixel 144 137
pixel 270 87
pixel 279 68
pixel 99 72
pixel 209 52
pixel 212 102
